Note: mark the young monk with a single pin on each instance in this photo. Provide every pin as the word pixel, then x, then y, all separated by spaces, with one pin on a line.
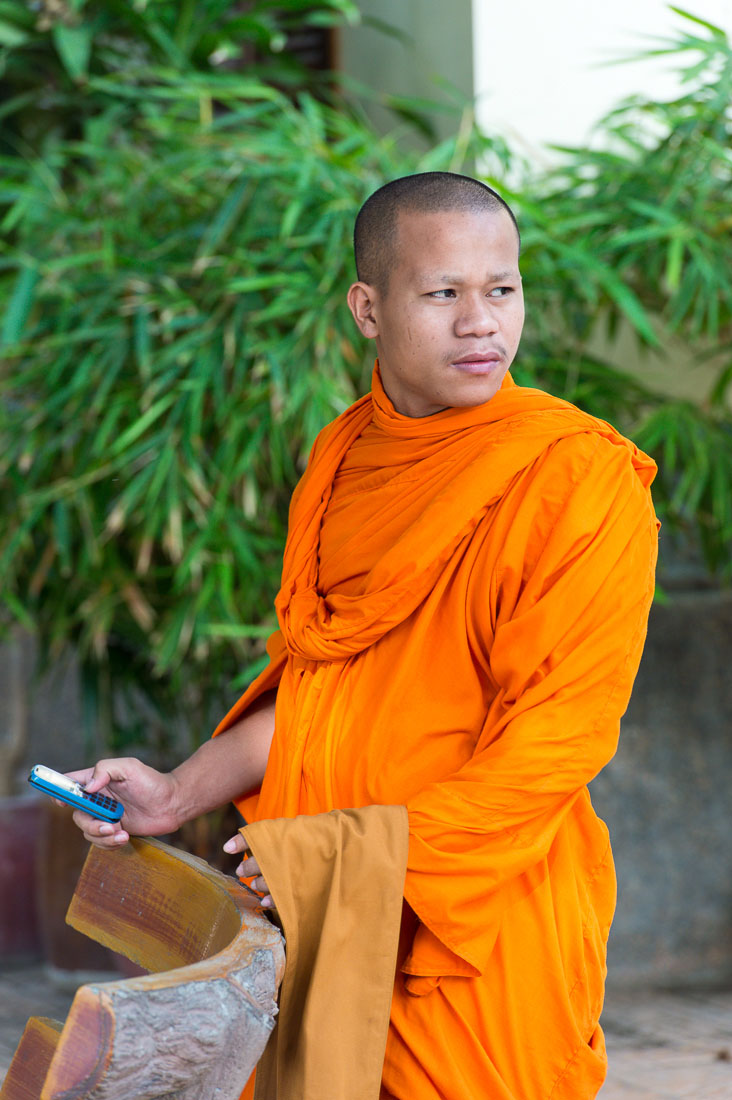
pixel 463 607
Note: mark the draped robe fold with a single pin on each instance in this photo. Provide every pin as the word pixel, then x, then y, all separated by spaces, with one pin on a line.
pixel 462 612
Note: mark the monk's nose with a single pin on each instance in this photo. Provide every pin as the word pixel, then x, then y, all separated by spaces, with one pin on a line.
pixel 477 319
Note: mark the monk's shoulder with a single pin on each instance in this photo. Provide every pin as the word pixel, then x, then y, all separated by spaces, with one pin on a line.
pixel 577 457
pixel 582 493
pixel 564 441
pixel 579 483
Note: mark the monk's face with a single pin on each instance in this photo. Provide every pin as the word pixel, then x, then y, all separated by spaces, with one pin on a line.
pixel 448 325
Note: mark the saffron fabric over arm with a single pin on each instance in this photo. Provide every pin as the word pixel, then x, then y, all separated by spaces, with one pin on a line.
pixel 341 922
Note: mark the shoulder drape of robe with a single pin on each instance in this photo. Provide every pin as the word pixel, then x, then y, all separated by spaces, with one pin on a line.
pixel 462 613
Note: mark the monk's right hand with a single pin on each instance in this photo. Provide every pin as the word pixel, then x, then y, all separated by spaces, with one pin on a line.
pixel 147 795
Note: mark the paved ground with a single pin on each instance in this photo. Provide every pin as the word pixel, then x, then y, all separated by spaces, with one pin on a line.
pixel 26 992
pixel 662 1046
pixel 668 1046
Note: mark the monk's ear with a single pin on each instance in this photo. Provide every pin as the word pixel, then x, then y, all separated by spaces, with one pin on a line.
pixel 361 302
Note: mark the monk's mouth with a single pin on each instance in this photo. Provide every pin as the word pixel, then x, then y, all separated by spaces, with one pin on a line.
pixel 476 366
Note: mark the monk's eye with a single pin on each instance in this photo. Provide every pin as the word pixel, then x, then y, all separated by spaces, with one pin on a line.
pixel 446 293
pixel 500 292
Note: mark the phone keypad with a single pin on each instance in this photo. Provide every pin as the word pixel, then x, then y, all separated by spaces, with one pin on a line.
pixel 102 800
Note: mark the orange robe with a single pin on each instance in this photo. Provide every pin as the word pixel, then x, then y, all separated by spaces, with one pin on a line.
pixel 462 612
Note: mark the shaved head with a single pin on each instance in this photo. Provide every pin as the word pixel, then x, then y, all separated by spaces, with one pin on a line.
pixel 375 237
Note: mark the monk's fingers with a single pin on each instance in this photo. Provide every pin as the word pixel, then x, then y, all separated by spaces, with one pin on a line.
pixel 266 901
pixel 104 834
pixel 253 900
pixel 248 867
pixel 236 844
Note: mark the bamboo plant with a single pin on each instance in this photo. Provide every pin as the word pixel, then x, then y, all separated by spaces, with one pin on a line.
pixel 175 334
pixel 172 279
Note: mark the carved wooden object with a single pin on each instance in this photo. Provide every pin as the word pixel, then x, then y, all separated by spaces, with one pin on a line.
pixel 195 1028
pixel 24 1080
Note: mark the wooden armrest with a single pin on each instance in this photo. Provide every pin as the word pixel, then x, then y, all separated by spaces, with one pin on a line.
pixel 199 1024
pixel 161 907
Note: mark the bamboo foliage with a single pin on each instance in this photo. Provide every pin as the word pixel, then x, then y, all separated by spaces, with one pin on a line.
pixel 175 335
pixel 176 244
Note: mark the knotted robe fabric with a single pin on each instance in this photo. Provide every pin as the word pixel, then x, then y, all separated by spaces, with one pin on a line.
pixel 463 608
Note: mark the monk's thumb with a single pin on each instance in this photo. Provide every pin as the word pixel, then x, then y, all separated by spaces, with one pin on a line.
pixel 235 844
pixel 100 778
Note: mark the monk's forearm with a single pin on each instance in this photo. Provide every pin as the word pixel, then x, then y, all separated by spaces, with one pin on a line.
pixel 227 766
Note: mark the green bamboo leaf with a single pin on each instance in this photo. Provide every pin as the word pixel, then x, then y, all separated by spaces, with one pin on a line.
pixel 19 305
pixel 163 465
pixel 641 235
pixel 722 497
pixel 60 264
pixel 225 584
pixel 290 217
pixel 657 213
pixel 630 306
pixel 82 334
pixel 11 35
pixel 715 30
pixel 73 44
pixel 674 262
pixel 63 535
pixel 17 610
pixel 722 383
pixel 14 540
pixel 681 303
pixel 142 342
pixel 713 320
pixel 176 638
pixel 128 499
pixel 234 630
pixel 225 218
pixel 135 430
pixel 256 282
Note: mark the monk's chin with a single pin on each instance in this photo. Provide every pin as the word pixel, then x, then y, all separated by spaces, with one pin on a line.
pixel 474 389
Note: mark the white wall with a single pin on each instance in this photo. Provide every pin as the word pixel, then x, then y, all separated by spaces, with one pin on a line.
pixel 537 63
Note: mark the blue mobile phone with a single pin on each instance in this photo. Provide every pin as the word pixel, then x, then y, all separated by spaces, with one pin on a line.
pixel 68 790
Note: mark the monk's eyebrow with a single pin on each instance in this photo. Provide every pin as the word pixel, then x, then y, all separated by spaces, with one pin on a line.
pixel 458 280
pixel 502 276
